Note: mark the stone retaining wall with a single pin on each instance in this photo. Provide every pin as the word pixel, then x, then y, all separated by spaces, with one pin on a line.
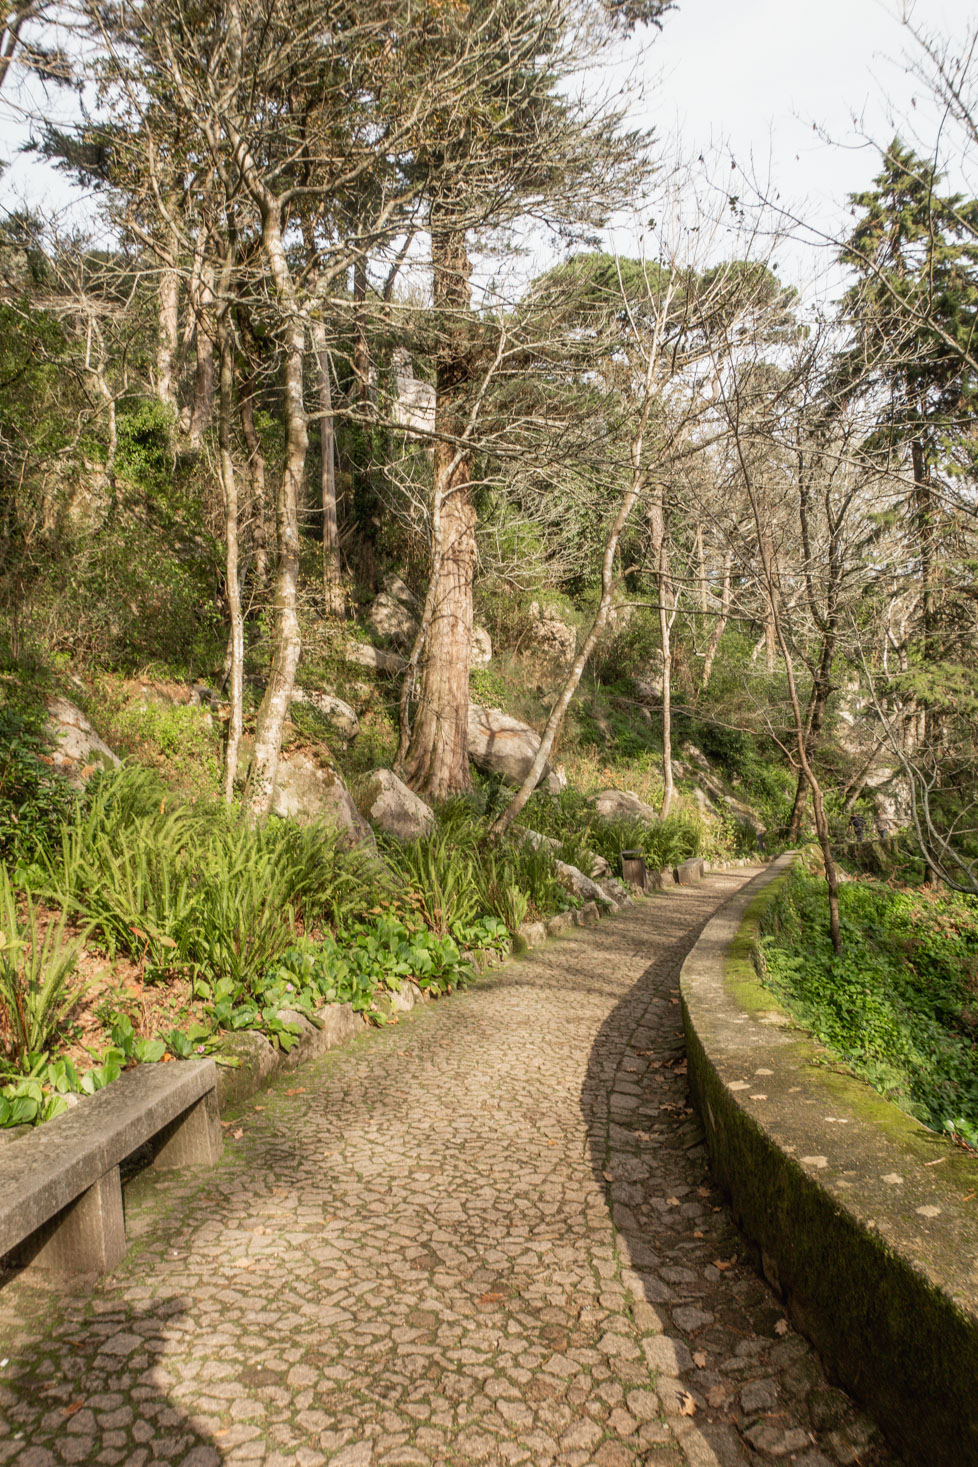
pixel 864 1221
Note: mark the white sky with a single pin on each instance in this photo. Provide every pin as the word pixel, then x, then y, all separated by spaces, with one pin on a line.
pixel 766 80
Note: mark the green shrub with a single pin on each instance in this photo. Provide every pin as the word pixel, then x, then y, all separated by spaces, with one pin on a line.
pixel 36 997
pixel 34 799
pixel 900 1003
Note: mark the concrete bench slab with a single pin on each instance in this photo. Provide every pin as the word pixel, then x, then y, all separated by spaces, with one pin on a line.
pixel 60 1185
pixel 689 872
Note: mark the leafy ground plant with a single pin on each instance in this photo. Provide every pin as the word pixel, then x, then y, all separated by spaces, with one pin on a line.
pixel 899 1005
pixel 36 993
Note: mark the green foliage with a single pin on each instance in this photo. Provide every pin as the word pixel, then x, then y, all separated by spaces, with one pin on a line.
pixel 570 818
pixel 900 1003
pixel 34 800
pixel 382 954
pixel 144 452
pixel 36 996
pixel 194 887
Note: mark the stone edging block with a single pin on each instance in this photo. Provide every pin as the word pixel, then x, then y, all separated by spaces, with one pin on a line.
pixel 862 1219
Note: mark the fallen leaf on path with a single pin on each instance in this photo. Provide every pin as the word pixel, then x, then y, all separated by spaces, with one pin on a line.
pixel 724 1263
pixel 699 1359
pixel 297 1090
pixel 608 1176
pixel 236 1135
pixel 717 1395
pixel 70 1410
pixel 782 1327
pixel 687 1406
pixel 673 1202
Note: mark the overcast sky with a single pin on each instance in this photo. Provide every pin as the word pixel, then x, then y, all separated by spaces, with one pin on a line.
pixel 762 80
pixel 767 78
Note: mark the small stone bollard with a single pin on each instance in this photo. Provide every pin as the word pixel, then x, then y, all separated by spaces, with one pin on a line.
pixel 633 868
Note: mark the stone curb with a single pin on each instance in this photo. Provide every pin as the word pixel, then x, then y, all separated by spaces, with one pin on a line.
pixel 863 1220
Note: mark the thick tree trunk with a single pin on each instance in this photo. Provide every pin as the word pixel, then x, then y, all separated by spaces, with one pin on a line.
pixel 236 640
pixel 334 598
pixel 285 625
pixel 437 761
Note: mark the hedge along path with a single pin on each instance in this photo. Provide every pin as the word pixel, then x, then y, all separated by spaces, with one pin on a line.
pixel 483 1235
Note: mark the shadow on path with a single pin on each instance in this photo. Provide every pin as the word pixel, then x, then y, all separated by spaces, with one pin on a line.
pixel 736 1383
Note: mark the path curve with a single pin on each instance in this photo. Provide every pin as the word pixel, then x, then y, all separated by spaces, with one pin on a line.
pixel 485 1235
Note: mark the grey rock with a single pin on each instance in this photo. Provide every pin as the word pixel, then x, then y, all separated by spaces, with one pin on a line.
pixel 502 745
pixel 481 647
pixel 306 790
pixel 551 642
pixel 78 750
pixel 392 807
pixel 623 805
pixel 577 883
pixel 374 658
pixel 339 715
pixel 391 619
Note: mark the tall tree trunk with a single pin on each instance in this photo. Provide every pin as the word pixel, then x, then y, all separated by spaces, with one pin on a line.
pixel 720 624
pixel 256 475
pixel 285 626
pixel 437 761
pixel 334 598
pixel 168 337
pixel 236 616
pixel 202 409
pixel 663 579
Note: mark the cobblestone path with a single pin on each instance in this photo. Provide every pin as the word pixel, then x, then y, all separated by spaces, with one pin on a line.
pixel 485 1235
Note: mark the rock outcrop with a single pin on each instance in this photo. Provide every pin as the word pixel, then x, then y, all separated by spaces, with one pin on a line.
pixel 499 744
pixel 339 715
pixel 390 806
pixel 78 751
pixel 551 643
pixel 622 805
pixel 306 790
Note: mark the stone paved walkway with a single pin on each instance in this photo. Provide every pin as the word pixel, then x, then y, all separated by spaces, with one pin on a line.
pixel 486 1235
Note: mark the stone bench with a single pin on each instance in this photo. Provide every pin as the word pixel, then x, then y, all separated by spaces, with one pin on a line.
pixel 60 1186
pixel 689 872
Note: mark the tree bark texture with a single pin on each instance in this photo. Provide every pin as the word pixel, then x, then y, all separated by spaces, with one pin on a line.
pixel 285 624
pixel 334 598
pixel 233 587
pixel 437 761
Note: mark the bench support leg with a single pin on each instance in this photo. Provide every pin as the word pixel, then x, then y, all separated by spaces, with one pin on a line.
pixel 193 1139
pixel 88 1237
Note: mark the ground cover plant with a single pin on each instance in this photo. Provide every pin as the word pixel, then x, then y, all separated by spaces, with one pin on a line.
pixel 899 1005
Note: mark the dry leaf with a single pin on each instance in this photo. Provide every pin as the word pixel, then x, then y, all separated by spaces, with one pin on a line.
pixel 699 1359
pixel 553 1143
pixel 608 1176
pixel 724 1263
pixel 782 1327
pixel 237 1134
pixel 297 1090
pixel 686 1404
pixel 70 1410
pixel 717 1395
pixel 673 1202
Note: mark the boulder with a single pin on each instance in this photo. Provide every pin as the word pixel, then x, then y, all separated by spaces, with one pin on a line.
pixel 306 790
pixel 394 621
pixel 556 780
pixel 648 690
pixel 78 751
pixel 390 805
pixel 577 883
pixel 481 647
pixel 364 655
pixel 339 715
pixel 395 587
pixel 622 805
pixel 550 641
pixel 499 744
